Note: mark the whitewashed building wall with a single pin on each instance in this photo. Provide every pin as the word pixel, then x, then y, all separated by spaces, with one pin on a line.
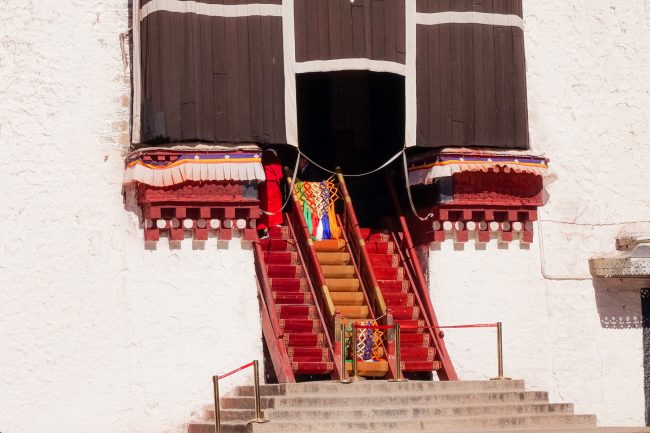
pixel 588 94
pixel 98 333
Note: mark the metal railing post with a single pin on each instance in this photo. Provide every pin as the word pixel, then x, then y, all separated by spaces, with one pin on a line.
pixel 398 355
pixel 500 352
pixel 344 371
pixel 355 367
pixel 259 417
pixel 217 409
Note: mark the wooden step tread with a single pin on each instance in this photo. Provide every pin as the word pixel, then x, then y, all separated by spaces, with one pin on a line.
pixel 342 284
pixel 330 245
pixel 335 258
pixel 353 312
pixel 347 298
pixel 338 271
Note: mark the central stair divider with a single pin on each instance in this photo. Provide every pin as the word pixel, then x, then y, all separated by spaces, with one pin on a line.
pixel 357 246
pixel 406 250
pixel 271 329
pixel 305 248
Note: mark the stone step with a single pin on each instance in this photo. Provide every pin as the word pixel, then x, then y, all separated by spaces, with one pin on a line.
pixel 230 427
pixel 568 429
pixel 390 425
pixel 392 400
pixel 229 415
pixel 226 427
pixel 382 386
pixel 406 413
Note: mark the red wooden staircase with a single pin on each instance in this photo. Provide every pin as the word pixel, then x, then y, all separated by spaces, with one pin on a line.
pixel 397 286
pixel 309 288
pixel 397 273
pixel 290 300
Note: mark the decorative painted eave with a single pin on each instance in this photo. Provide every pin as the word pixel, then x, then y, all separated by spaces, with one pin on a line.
pixel 622 264
pixel 480 194
pixel 196 190
pixel 167 167
pixel 424 170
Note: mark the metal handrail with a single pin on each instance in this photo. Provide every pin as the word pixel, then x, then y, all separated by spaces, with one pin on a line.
pixel 398 348
pixel 259 416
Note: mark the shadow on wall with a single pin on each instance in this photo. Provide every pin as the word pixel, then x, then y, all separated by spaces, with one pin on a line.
pixel 625 304
pixel 619 302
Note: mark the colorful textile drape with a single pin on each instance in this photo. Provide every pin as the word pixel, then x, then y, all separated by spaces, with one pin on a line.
pixel 368 345
pixel 178 167
pixel 448 162
pixel 317 201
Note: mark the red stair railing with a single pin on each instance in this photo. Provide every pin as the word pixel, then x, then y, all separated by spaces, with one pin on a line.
pixel 271 329
pixel 315 277
pixel 358 248
pixel 421 289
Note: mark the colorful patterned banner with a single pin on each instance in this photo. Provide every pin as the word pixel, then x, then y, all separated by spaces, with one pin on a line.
pixel 368 345
pixel 317 201
pixel 177 168
pixel 448 165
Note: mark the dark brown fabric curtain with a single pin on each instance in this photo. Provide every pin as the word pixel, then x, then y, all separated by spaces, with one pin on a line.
pixel 471 79
pixel 216 79
pixel 341 29
pixel 212 79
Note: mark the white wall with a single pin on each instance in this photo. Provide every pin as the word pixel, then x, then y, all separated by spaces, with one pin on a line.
pixel 97 334
pixel 588 64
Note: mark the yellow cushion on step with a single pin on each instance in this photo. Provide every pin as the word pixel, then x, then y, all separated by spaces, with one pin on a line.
pixel 355 312
pixel 369 369
pixel 332 245
pixel 347 298
pixel 340 271
pixel 333 258
pixel 342 284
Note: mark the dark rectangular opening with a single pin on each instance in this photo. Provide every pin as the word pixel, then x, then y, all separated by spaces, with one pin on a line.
pixel 351 119
pixel 354 120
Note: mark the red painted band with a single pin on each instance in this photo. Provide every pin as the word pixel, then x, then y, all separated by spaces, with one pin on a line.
pixel 243 367
pixel 480 325
pixel 374 327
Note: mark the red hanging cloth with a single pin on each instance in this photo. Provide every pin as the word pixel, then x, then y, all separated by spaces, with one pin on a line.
pixel 270 193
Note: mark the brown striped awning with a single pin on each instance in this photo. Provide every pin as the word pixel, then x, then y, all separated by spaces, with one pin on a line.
pixel 224 71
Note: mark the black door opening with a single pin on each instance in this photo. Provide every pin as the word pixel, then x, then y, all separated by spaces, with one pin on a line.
pixel 353 120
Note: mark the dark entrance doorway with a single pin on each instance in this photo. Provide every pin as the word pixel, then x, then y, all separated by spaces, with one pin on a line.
pixel 353 120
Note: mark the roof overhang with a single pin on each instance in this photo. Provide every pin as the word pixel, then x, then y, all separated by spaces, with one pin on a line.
pixel 622 264
pixel 632 258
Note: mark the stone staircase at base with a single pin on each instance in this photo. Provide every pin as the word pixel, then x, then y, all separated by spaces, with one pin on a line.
pixel 382 407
